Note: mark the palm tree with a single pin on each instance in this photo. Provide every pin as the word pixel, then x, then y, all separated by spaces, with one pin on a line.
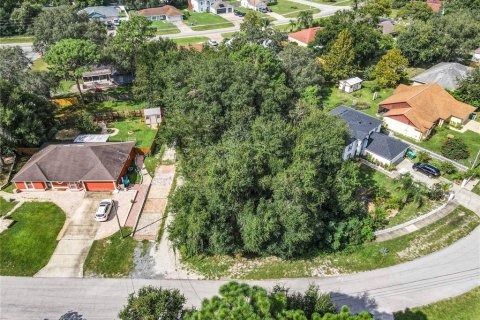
pixel 305 19
pixel 293 25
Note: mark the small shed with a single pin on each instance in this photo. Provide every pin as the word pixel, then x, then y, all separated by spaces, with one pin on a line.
pixel 152 116
pixel 350 85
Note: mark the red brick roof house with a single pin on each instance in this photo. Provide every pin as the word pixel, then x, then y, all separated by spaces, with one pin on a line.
pixel 167 12
pixel 304 37
pixel 436 5
pixel 415 111
pixel 76 166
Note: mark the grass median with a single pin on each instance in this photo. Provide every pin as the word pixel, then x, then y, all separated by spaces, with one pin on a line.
pixel 356 259
pixel 6 206
pixel 28 244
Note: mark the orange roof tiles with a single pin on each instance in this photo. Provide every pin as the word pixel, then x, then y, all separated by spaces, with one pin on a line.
pixel 306 35
pixel 166 10
pixel 436 5
pixel 427 103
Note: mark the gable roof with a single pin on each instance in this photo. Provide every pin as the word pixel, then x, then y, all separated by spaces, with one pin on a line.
pixel 255 3
pixel 352 81
pixel 166 10
pixel 77 162
pixel 221 4
pixel 384 146
pixel 101 11
pixel 306 35
pixel 446 74
pixel 358 122
pixel 426 104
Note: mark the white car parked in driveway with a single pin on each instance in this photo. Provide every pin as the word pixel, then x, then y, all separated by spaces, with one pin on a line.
pixel 104 209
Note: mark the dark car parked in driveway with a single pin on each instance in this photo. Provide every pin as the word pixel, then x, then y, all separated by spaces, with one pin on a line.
pixel 426 169
pixel 239 13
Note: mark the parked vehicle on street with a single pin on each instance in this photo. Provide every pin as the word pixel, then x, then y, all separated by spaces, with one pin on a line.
pixel 104 210
pixel 426 169
pixel 212 43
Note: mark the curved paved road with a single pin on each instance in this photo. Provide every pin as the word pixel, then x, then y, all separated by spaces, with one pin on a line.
pixel 446 273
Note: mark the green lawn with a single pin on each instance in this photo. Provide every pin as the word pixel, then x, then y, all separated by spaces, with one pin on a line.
pixel 39 65
pixel 28 244
pixel 476 189
pixel 435 142
pixel 65 86
pixel 18 39
pixel 164 27
pixel 6 206
pixel 462 307
pixel 378 180
pixel 283 28
pixel 199 21
pixel 9 187
pixel 261 14
pixel 133 130
pixel 190 40
pixel 296 13
pixel 229 34
pixel 111 257
pixel 116 106
pixel 362 258
pixel 363 98
pixel 335 2
pixel 287 8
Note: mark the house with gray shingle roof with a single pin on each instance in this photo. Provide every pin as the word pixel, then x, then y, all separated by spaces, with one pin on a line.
pixel 102 13
pixel 76 166
pixel 446 74
pixel 366 137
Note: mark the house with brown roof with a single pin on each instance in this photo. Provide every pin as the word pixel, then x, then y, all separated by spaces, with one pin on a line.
pixel 167 13
pixel 414 111
pixel 304 37
pixel 76 167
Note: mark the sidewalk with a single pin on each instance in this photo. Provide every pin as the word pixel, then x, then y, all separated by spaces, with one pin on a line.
pixel 156 201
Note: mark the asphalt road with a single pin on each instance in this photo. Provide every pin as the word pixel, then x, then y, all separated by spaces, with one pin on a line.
pixel 446 273
pixel 27 49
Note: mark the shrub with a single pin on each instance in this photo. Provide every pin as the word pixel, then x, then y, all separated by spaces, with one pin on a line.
pixel 86 124
pixel 447 167
pixel 455 149
pixel 423 156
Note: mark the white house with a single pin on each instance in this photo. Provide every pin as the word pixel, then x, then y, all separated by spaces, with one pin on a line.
pixel 202 5
pixel 350 85
pixel 257 5
pixel 167 13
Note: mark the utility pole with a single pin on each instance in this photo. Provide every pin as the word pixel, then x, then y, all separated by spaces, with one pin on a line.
pixel 118 219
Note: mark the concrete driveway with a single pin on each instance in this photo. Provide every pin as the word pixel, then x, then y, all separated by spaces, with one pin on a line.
pixel 75 240
pixel 406 166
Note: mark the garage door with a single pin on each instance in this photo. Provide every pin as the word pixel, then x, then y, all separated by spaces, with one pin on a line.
pixel 99 186
pixel 222 10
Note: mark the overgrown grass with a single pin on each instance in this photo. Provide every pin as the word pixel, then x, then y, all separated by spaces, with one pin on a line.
pixel 39 65
pixel 362 258
pixel 152 162
pixel 111 257
pixel 436 140
pixel 199 21
pixel 28 244
pixel 133 130
pixel 363 98
pixel 17 39
pixel 65 86
pixel 6 206
pixel 190 40
pixel 462 307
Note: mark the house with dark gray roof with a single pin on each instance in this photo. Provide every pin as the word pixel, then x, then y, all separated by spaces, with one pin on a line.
pixel 446 74
pixel 385 149
pixel 76 166
pixel 365 133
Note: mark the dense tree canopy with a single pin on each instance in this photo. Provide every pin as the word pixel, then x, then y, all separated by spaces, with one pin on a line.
pixel 64 22
pixel 468 89
pixel 366 37
pixel 391 68
pixel 441 38
pixel 416 10
pixel 237 301
pixel 339 61
pixel 262 163
pixel 25 118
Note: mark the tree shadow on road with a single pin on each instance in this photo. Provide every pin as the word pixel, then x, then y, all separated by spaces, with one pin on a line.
pixel 72 315
pixel 360 303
